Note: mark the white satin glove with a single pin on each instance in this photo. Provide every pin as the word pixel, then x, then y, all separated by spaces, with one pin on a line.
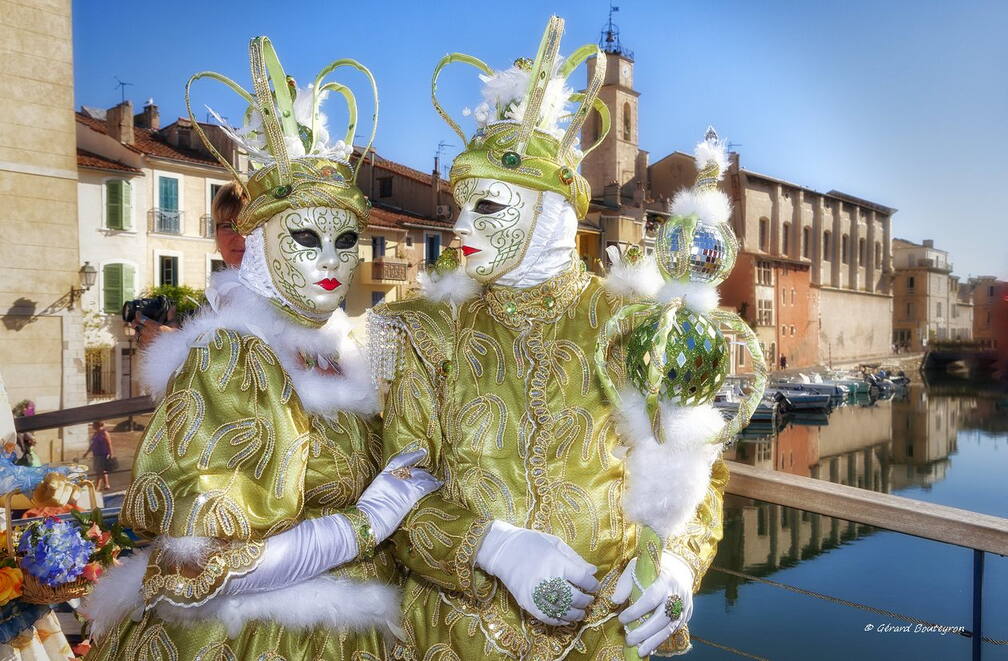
pixel 523 559
pixel 315 546
pixel 674 578
pixel 394 492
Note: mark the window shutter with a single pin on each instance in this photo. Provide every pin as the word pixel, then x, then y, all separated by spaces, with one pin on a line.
pixel 128 283
pixel 113 204
pixel 112 286
pixel 127 205
pixel 168 193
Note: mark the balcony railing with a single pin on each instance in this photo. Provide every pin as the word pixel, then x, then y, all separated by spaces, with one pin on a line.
pixel 930 263
pixel 382 270
pixel 208 229
pixel 165 221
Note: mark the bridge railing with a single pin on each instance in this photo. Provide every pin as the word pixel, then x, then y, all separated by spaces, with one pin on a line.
pixel 980 533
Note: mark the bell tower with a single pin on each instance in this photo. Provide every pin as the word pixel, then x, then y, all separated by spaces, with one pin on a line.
pixel 616 168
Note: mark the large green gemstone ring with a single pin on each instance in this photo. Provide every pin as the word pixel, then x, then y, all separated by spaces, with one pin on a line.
pixel 553 597
pixel 673 607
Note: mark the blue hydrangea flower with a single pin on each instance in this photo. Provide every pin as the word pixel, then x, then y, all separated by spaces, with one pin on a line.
pixel 54 551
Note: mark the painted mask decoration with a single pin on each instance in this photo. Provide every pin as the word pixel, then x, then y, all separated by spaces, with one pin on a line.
pixel 495 225
pixel 312 254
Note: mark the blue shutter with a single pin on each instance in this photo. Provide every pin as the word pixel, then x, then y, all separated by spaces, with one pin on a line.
pixel 168 193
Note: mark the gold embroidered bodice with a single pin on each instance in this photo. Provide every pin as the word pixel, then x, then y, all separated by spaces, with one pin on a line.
pixel 503 395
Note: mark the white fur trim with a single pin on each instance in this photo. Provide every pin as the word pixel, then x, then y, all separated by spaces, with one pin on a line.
pixel 325 601
pixel 711 206
pixel 506 90
pixel 244 311
pixel 186 550
pixel 668 480
pixel 116 595
pixel 700 297
pixel 640 280
pixel 454 287
pixel 711 150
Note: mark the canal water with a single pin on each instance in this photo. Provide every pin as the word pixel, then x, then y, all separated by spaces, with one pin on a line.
pixel 942 443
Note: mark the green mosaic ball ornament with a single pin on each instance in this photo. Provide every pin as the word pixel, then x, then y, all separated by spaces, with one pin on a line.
pixel 685 365
pixel 687 249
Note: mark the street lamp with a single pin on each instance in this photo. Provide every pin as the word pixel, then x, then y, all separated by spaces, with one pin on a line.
pixel 87 275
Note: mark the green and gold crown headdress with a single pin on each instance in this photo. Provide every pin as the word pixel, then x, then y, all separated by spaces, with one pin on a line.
pixel 520 139
pixel 287 141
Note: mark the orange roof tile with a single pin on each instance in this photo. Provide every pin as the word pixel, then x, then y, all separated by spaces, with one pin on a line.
pixel 86 159
pixel 380 217
pixel 149 142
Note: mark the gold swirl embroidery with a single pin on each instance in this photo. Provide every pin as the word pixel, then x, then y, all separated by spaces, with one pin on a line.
pixel 180 416
pixel 177 586
pixel 475 346
pixel 150 643
pixel 148 504
pixel 215 514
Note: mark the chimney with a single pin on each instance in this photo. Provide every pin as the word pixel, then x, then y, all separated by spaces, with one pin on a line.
pixel 149 118
pixel 929 243
pixel 119 122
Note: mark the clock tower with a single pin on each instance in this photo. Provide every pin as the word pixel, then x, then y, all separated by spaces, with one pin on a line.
pixel 616 170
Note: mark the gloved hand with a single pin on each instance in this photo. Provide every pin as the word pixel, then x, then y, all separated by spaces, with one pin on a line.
pixel 675 578
pixel 540 571
pixel 315 546
pixel 394 492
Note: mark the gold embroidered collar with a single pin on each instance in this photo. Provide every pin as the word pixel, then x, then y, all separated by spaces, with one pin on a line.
pixel 547 301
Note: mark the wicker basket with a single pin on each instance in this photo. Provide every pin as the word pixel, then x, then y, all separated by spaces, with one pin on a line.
pixel 34 591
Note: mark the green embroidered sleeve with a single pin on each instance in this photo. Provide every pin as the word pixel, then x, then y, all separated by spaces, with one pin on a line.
pixel 697 546
pixel 224 455
pixel 438 540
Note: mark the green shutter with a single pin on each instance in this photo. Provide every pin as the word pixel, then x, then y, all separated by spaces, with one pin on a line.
pixel 127 206
pixel 168 193
pixel 112 285
pixel 128 279
pixel 114 205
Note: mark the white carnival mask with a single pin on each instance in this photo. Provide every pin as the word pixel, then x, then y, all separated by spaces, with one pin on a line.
pixel 311 255
pixel 495 225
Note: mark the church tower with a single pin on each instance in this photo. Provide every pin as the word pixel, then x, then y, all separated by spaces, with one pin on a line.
pixel 617 168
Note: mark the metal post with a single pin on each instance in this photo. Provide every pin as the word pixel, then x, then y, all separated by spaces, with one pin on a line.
pixel 978 570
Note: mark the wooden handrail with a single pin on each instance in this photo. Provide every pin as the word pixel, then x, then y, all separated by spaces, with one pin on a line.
pixel 904 515
pixel 82 414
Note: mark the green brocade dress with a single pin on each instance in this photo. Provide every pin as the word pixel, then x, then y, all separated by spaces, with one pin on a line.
pixel 232 454
pixel 503 395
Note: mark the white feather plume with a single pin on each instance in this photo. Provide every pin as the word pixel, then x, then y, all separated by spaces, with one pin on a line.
pixel 640 280
pixel 454 287
pixel 504 99
pixel 711 206
pixel 711 150
pixel 700 297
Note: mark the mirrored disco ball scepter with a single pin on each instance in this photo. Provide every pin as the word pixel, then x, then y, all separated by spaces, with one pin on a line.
pixel 677 354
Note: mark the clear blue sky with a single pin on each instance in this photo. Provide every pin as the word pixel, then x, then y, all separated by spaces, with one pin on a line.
pixel 904 103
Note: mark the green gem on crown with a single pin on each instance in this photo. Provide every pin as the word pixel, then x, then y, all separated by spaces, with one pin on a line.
pixel 510 160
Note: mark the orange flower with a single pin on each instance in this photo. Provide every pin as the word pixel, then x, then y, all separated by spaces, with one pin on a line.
pixel 92 571
pixel 10 584
pixel 104 538
pixel 94 532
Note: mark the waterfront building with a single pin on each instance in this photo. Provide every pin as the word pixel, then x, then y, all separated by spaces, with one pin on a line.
pixel 813 275
pixel 929 303
pixel 41 272
pixel 988 299
pixel 144 196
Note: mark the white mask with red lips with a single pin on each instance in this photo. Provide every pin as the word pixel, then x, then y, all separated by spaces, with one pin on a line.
pixel 304 259
pixel 512 235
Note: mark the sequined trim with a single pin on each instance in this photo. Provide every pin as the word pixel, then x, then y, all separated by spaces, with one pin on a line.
pixel 464 561
pixel 172 584
pixel 515 307
pixel 363 533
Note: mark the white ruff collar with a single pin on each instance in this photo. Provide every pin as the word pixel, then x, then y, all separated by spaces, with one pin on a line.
pixel 236 307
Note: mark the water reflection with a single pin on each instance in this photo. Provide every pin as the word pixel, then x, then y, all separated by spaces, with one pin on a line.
pixel 902 445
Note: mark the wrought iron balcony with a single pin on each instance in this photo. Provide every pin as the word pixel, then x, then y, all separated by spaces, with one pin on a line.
pixel 382 270
pixel 165 221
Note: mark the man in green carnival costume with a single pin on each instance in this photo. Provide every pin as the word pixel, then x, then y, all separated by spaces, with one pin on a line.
pixel 521 554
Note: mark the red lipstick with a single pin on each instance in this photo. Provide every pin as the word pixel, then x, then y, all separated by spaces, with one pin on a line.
pixel 329 284
pixel 466 250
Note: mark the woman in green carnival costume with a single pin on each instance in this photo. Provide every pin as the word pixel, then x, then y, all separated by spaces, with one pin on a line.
pixel 532 546
pixel 259 477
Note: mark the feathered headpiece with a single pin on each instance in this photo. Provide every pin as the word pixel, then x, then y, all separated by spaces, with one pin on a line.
pixel 520 137
pixel 285 136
